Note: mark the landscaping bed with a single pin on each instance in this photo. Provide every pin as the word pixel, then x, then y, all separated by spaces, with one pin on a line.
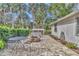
pixel 8 32
pixel 70 45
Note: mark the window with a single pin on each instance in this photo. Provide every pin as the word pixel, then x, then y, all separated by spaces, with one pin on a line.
pixel 77 26
pixel 55 27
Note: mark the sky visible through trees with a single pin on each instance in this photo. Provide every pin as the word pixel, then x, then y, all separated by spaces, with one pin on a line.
pixel 25 13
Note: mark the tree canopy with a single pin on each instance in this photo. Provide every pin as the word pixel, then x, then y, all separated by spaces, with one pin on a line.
pixel 41 14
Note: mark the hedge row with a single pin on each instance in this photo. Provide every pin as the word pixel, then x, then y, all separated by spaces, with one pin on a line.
pixel 6 32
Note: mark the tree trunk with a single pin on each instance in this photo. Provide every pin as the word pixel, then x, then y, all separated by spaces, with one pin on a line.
pixel 12 19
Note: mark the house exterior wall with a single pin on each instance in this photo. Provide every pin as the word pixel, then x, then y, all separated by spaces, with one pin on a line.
pixel 68 26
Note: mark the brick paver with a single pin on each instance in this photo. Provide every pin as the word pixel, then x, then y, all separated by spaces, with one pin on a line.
pixel 46 47
pixel 57 47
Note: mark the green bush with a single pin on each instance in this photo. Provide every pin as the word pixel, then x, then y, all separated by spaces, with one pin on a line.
pixel 71 45
pixel 4 32
pixel 7 32
pixel 2 43
pixel 20 32
pixel 47 31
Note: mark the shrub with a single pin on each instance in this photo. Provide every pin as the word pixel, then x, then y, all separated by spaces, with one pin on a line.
pixel 4 32
pixel 47 31
pixel 7 32
pixel 13 33
pixel 71 45
pixel 22 32
pixel 2 43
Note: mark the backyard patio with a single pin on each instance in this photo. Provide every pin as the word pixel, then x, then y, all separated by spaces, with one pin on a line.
pixel 25 29
pixel 46 47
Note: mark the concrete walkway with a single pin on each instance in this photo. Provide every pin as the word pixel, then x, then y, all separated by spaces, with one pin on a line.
pixel 46 47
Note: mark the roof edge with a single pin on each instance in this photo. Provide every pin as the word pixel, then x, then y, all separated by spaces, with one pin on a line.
pixel 69 15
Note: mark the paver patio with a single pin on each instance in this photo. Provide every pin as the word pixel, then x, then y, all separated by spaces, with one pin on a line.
pixel 46 47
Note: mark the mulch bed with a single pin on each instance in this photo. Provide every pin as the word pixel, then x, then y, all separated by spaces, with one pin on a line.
pixel 64 43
